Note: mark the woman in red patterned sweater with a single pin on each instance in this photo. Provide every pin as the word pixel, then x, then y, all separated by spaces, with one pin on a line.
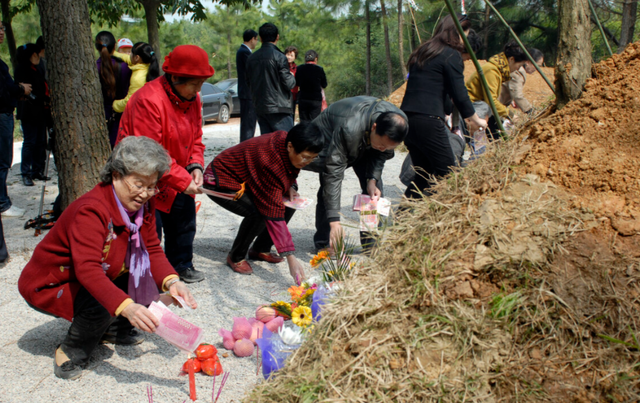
pixel 250 180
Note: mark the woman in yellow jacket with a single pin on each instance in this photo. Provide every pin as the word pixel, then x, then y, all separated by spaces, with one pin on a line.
pixel 497 71
pixel 144 66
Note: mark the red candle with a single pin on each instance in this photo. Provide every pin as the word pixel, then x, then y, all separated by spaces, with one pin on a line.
pixel 192 384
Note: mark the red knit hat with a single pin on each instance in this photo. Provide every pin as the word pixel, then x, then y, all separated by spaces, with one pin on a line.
pixel 188 61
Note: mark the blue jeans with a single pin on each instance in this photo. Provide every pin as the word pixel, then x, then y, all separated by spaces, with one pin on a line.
pixel 6 157
pixel 273 122
pixel 34 148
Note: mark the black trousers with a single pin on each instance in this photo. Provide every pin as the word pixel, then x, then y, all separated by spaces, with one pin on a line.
pixel 321 239
pixel 252 227
pixel 309 110
pixel 90 321
pixel 248 119
pixel 430 150
pixel 179 231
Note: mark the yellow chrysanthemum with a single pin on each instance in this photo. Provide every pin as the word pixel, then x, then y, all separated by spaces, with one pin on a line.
pixel 301 316
pixel 280 303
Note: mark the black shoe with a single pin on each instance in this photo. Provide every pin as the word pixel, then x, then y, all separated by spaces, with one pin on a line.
pixel 27 181
pixel 191 275
pixel 41 177
pixel 68 370
pixel 131 338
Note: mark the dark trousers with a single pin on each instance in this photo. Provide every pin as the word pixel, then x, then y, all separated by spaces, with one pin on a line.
pixel 3 246
pixel 430 150
pixel 90 321
pixel 6 157
pixel 248 119
pixel 179 231
pixel 273 122
pixel 493 129
pixel 323 229
pixel 309 110
pixel 252 227
pixel 34 147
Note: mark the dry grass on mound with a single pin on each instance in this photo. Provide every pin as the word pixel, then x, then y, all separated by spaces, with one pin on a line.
pixel 465 302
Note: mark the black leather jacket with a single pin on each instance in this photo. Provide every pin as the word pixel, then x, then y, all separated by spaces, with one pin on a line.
pixel 270 80
pixel 346 127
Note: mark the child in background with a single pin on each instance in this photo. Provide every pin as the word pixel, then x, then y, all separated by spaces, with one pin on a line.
pixel 125 45
pixel 145 68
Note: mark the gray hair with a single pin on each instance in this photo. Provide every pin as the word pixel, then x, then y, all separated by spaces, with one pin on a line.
pixel 139 155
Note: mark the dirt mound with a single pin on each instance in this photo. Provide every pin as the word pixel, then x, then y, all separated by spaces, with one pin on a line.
pixel 591 146
pixel 535 89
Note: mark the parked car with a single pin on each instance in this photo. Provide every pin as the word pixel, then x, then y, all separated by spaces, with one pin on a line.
pixel 231 86
pixel 216 103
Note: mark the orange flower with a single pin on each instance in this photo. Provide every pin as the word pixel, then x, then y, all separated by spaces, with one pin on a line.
pixel 317 259
pixel 296 292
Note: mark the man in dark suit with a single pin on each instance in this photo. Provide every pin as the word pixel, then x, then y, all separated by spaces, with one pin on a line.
pixel 247 111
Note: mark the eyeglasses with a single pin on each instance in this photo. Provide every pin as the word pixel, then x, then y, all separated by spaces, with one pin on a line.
pixel 309 159
pixel 136 190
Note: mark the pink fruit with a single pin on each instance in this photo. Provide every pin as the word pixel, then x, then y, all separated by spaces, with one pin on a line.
pixel 257 329
pixel 227 339
pixel 265 313
pixel 274 324
pixel 243 348
pixel 241 328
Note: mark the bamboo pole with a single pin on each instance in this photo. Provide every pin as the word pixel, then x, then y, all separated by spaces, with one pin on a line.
pixel 483 80
pixel 488 3
pixel 606 42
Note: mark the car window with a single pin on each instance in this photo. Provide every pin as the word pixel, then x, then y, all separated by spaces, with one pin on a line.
pixel 216 90
pixel 207 89
pixel 226 84
pixel 234 88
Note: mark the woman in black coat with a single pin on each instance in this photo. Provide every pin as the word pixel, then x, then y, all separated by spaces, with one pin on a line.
pixel 34 114
pixel 311 79
pixel 435 75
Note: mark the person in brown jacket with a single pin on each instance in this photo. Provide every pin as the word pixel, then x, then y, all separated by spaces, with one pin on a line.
pixel 513 90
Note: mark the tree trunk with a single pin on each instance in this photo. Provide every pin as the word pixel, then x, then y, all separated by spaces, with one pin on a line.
pixel 11 39
pixel 387 48
pixel 367 69
pixel 573 64
pixel 629 13
pixel 485 26
pixel 401 40
pixel 82 143
pixel 151 16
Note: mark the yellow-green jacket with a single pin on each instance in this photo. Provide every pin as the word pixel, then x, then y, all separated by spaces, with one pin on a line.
pixel 496 71
pixel 138 79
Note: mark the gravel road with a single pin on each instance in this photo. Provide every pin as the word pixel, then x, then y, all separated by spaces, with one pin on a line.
pixel 122 374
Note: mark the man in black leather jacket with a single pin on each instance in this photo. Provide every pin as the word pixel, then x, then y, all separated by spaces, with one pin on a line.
pixel 359 132
pixel 270 82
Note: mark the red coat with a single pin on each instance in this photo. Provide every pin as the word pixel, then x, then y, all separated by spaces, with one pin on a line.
pixel 87 247
pixel 155 112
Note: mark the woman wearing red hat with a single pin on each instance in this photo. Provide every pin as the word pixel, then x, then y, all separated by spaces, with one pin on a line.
pixel 168 110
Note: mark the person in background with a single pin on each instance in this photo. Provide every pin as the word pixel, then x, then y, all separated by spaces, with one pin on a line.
pixel 435 75
pixel 42 67
pixel 34 115
pixel 361 133
pixel 496 71
pixel 101 265
pixel 291 52
pixel 248 116
pixel 169 111
pixel 144 67
pixel 115 76
pixel 271 82
pixel 512 92
pixel 311 79
pixel 250 180
pixel 124 46
pixel 10 93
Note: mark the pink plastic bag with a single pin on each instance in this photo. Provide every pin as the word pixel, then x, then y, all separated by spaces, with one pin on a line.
pixel 175 330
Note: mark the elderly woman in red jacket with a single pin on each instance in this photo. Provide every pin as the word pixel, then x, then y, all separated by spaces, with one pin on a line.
pixel 168 110
pixel 102 260
pixel 251 179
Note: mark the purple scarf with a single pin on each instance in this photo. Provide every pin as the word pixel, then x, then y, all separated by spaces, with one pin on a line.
pixel 142 288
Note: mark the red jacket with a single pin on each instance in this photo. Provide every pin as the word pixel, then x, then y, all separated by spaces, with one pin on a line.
pixel 155 112
pixel 87 248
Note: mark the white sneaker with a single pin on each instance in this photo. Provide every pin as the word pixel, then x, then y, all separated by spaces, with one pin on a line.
pixel 13 212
